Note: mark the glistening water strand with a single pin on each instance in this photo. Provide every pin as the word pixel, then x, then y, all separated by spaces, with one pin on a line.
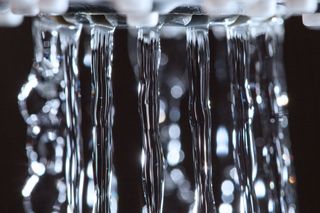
pixel 242 111
pixel 281 138
pixel 102 103
pixel 148 47
pixel 69 36
pixel 200 117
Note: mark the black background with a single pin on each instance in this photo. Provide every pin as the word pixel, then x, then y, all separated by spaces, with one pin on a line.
pixel 302 62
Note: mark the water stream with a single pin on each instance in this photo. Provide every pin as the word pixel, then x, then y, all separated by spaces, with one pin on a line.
pixel 200 116
pixel 102 115
pixel 69 36
pixel 148 47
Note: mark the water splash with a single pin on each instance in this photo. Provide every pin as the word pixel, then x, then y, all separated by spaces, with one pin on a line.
pixel 69 38
pixel 148 47
pixel 102 47
pixel 242 111
pixel 200 116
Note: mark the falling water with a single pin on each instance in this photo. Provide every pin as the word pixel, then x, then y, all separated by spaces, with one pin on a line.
pixel 243 112
pixel 44 117
pixel 279 121
pixel 148 47
pixel 69 35
pixel 200 116
pixel 102 47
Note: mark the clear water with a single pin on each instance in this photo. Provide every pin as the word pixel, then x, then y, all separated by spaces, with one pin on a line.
pixel 152 159
pixel 102 115
pixel 212 118
pixel 200 116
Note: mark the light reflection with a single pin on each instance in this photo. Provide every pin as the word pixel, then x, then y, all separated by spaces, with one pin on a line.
pixel 173 157
pixel 38 168
pixel 225 208
pixel 234 175
pixel 259 99
pixel 271 206
pixel 227 187
pixel 29 186
pixel 177 176
pixel 162 116
pixel 62 191
pixel 174 131
pixel 174 145
pixel 227 198
pixel 292 179
pixel 222 140
pixel 260 189
pixel 90 170
pixel 176 91
pixel 282 100
pixel 91 194
pixel 36 130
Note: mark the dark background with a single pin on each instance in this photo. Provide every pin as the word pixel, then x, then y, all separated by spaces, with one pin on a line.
pixel 302 62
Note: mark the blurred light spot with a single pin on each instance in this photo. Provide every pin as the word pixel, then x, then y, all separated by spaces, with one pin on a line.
pixel 144 209
pixel 91 196
pixel 234 175
pixel 52 136
pixel 243 203
pixel 276 89
pixel 260 189
pixel 271 206
pixel 164 59
pixel 38 168
pixel 87 60
pixel 173 157
pixel 163 105
pixel 177 176
pixel 259 99
pixel 36 130
pixel 60 141
pixel 143 158
pixel 283 100
pixel 222 139
pixel 284 121
pixel 58 166
pixel 176 91
pixel 265 151
pixel 59 151
pixel 174 131
pixel 162 116
pixel 292 180
pixel 174 114
pixel 234 138
pixel 227 187
pixel 29 186
pixel 292 209
pixel 62 96
pixel 227 198
pixel 286 157
pixel 225 208
pixel 90 170
pixel 174 145
pixel 62 191
pixel 285 174
pixel 271 185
